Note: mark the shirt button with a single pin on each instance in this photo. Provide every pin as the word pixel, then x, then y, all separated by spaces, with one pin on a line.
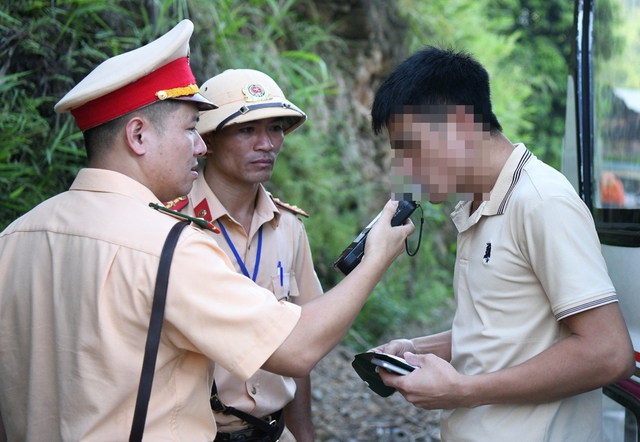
pixel 253 390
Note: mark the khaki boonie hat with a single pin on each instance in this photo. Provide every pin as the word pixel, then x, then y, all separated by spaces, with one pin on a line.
pixel 246 95
pixel 157 71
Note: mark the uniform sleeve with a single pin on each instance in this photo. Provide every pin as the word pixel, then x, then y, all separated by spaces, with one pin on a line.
pixel 564 251
pixel 215 311
pixel 308 283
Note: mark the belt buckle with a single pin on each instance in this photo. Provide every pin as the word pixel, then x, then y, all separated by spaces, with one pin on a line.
pixel 241 435
pixel 217 405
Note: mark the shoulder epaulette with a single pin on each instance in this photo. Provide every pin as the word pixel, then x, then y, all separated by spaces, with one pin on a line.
pixel 177 204
pixel 295 209
pixel 203 223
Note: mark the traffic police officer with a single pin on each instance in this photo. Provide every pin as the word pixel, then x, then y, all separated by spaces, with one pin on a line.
pixel 77 275
pixel 264 237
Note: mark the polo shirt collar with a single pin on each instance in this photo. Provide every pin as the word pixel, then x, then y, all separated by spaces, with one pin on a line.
pixel 500 194
pixel 265 210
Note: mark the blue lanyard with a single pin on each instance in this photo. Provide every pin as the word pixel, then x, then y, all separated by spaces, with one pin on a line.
pixel 235 252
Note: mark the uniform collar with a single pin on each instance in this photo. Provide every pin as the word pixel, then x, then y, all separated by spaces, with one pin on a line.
pixel 202 196
pixel 500 194
pixel 109 181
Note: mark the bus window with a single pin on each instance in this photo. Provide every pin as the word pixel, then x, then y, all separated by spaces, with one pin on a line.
pixel 617 147
pixel 616 114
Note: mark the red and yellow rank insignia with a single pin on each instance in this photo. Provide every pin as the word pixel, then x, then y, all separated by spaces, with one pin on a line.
pixel 200 222
pixel 177 204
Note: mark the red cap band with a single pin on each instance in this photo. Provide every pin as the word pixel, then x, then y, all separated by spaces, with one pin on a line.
pixel 135 95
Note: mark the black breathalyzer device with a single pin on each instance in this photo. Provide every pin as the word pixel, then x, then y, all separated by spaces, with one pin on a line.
pixel 352 255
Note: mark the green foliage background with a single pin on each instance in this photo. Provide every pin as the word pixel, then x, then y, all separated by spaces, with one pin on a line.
pixel 48 46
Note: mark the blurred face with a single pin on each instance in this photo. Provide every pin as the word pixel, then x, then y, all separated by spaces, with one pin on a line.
pixel 439 154
pixel 174 159
pixel 244 154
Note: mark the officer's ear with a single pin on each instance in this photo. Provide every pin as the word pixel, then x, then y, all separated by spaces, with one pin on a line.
pixel 138 134
pixel 208 141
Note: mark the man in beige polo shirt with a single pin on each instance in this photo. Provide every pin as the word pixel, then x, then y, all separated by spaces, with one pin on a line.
pixel 537 329
pixel 77 275
pixel 263 237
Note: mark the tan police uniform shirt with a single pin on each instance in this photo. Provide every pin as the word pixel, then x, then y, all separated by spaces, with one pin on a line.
pixel 526 259
pixel 77 275
pixel 284 242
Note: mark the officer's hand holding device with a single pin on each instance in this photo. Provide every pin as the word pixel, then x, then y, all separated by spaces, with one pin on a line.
pixel 352 255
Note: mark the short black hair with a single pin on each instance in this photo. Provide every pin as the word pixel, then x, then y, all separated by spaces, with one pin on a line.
pixel 434 76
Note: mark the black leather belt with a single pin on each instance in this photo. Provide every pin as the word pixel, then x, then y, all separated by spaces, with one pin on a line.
pixel 254 434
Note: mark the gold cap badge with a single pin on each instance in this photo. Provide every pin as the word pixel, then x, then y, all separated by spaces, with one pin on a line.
pixel 255 92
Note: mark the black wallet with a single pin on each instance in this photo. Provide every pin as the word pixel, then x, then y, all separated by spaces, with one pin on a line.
pixel 367 371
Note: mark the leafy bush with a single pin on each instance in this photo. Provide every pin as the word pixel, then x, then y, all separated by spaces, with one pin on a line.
pixel 46 49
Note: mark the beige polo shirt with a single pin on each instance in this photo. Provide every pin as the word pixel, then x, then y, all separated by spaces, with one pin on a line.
pixel 526 258
pixel 77 275
pixel 284 242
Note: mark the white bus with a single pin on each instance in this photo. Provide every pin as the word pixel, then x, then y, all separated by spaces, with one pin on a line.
pixel 601 157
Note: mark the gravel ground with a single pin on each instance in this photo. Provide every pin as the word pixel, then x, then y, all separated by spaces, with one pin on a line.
pixel 345 410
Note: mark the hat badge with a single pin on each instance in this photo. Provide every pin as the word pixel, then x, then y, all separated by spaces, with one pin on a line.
pixel 256 92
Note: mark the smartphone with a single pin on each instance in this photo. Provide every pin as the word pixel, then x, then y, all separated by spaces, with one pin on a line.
pixel 393 364
pixel 352 255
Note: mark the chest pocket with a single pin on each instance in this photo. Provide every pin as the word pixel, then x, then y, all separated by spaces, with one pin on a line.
pixel 287 289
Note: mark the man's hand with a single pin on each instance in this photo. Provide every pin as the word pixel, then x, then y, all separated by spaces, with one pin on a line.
pixel 438 344
pixel 397 347
pixel 434 385
pixel 598 352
